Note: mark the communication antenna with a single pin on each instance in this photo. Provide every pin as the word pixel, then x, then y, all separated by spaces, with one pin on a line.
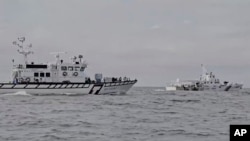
pixel 57 55
pixel 204 72
pixel 24 50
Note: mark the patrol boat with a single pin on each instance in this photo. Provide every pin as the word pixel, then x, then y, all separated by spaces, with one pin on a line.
pixel 210 82
pixel 207 82
pixel 60 77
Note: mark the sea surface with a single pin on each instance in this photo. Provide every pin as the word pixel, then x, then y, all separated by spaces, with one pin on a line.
pixel 143 114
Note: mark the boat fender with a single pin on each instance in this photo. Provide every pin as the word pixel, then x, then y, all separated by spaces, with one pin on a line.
pixel 27 79
pixel 75 73
pixel 65 73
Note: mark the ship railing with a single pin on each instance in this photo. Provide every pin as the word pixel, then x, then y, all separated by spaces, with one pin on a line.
pixel 118 83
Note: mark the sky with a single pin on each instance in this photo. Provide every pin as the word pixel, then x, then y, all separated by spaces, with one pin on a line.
pixel 155 41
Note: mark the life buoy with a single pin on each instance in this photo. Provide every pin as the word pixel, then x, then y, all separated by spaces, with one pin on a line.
pixel 27 79
pixel 65 74
pixel 75 73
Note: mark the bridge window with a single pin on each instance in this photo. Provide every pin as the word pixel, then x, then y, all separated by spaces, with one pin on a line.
pixel 63 68
pixel 70 68
pixel 77 68
pixel 47 74
pixel 32 66
pixel 36 74
pixel 54 67
pixel 82 69
pixel 41 74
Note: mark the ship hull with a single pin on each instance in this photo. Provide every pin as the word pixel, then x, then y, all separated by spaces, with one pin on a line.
pixel 233 87
pixel 71 88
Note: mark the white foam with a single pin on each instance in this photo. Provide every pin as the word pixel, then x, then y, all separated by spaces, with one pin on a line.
pixel 19 93
pixel 159 90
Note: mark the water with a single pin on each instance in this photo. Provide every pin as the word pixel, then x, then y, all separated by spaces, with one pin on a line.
pixel 144 114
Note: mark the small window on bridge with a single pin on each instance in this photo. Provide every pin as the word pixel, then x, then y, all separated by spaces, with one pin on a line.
pixel 77 68
pixel 63 68
pixel 36 74
pixel 41 74
pixel 82 69
pixel 70 68
pixel 47 74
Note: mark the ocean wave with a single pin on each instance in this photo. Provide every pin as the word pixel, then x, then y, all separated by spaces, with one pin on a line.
pixel 20 93
pixel 186 133
pixel 159 90
pixel 53 138
pixel 185 100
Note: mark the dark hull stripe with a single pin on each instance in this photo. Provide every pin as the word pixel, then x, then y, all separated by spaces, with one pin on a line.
pixel 99 88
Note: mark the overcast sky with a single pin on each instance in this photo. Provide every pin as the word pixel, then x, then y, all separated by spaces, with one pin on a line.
pixel 155 41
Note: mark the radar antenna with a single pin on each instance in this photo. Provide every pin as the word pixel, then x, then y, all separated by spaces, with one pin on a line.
pixel 24 50
pixel 80 57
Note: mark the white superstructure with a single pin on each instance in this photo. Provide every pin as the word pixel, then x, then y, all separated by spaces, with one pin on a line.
pixel 210 82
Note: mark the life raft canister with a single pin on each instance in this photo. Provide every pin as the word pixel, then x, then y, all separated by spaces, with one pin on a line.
pixel 75 73
pixel 65 74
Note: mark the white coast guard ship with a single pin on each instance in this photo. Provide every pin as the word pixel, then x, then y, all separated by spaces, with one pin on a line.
pixel 60 77
pixel 210 82
pixel 207 81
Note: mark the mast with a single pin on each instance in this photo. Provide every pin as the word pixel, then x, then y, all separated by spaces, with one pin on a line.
pixel 24 50
pixel 204 70
pixel 204 73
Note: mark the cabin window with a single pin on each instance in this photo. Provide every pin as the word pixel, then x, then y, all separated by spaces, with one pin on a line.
pixel 54 67
pixel 70 68
pixel 82 69
pixel 41 74
pixel 36 74
pixel 63 68
pixel 77 68
pixel 47 74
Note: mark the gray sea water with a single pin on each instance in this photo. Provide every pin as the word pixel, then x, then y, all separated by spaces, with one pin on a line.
pixel 143 114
